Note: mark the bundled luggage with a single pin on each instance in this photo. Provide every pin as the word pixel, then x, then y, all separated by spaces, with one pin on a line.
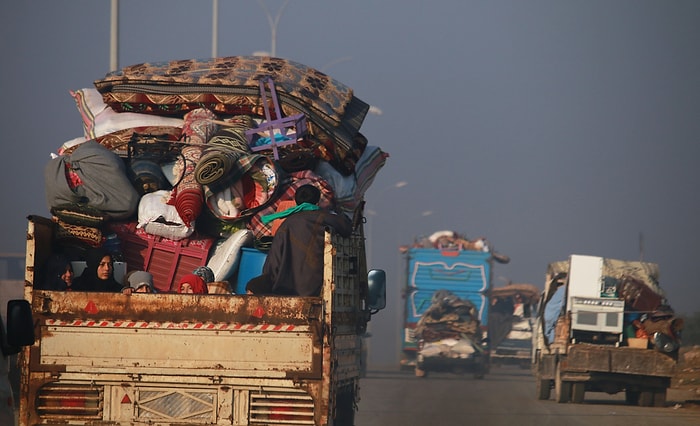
pixel 190 153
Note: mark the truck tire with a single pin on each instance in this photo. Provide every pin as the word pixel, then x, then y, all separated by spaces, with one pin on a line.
pixel 459 370
pixel 646 398
pixel 345 408
pixel 578 392
pixel 562 389
pixel 660 397
pixel 632 397
pixel 544 389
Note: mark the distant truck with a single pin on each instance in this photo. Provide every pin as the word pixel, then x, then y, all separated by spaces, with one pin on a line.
pixel 216 359
pixel 511 323
pixel 604 325
pixel 446 306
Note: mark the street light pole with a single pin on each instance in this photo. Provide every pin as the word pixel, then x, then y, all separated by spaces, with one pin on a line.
pixel 273 24
pixel 214 28
pixel 114 36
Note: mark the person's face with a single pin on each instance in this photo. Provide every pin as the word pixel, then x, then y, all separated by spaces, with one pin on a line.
pixel 67 275
pixel 104 269
pixel 143 289
pixel 186 288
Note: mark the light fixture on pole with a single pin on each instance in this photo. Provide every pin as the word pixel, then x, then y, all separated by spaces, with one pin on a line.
pixel 273 24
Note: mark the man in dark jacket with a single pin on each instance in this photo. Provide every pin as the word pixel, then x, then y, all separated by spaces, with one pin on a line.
pixel 294 264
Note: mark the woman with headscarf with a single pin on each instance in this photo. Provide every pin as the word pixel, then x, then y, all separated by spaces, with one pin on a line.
pixel 59 273
pixel 98 274
pixel 192 284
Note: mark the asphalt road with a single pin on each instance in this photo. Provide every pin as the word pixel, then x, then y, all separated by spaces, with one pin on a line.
pixel 506 396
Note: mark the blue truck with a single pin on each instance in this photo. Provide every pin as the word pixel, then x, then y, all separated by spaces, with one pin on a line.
pixel 446 310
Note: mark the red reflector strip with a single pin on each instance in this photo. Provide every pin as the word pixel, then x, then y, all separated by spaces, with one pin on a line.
pixel 174 325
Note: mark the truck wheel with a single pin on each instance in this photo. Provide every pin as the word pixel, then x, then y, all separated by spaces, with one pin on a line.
pixel 562 389
pixel 544 389
pixel 646 398
pixel 578 392
pixel 458 370
pixel 345 409
pixel 660 397
pixel 632 397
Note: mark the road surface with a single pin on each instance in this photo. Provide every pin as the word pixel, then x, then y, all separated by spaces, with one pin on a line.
pixel 506 396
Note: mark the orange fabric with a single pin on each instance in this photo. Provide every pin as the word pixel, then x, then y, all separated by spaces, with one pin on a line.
pixel 282 206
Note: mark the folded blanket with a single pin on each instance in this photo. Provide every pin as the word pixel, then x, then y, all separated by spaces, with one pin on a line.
pixel 230 85
pixel 255 181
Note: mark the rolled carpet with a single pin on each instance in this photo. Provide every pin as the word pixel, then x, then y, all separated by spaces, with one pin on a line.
pixel 188 195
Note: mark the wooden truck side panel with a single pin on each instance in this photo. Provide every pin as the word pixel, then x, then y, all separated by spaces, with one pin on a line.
pixel 618 360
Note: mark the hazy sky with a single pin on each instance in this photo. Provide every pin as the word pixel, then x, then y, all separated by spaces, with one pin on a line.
pixel 549 127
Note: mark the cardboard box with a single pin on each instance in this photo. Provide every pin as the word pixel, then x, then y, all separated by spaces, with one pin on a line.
pixel 637 342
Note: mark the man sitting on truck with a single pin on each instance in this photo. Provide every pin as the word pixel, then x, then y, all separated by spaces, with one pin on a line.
pixel 294 264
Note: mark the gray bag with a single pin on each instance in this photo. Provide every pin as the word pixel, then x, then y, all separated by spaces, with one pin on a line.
pixel 105 183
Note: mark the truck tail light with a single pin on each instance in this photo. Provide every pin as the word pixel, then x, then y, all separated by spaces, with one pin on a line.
pixel 282 406
pixel 70 401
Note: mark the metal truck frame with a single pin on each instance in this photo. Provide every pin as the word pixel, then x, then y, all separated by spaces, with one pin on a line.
pixel 515 347
pixel 164 359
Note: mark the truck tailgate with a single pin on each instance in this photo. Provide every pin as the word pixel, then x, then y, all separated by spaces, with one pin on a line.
pixel 622 360
pixel 240 333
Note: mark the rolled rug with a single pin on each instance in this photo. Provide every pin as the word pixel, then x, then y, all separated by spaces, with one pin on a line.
pixel 198 126
pixel 188 195
pixel 222 151
pixel 215 166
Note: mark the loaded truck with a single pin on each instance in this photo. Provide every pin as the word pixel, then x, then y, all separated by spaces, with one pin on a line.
pixel 446 305
pixel 224 357
pixel 167 358
pixel 511 322
pixel 604 325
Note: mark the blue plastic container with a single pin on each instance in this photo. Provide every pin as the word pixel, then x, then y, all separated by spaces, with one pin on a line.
pixel 251 264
